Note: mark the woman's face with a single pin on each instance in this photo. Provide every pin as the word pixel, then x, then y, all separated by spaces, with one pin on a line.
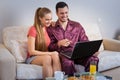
pixel 46 20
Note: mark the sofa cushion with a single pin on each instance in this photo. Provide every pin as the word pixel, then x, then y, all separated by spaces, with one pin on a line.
pixel 108 60
pixel 93 32
pixel 19 50
pixel 28 71
pixel 14 33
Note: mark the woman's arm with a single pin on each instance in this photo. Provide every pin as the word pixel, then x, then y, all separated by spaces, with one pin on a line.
pixel 31 47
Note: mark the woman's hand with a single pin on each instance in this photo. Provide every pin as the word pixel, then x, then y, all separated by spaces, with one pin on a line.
pixel 53 23
pixel 52 53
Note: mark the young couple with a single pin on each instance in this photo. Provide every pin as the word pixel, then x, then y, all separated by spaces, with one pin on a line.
pixel 45 42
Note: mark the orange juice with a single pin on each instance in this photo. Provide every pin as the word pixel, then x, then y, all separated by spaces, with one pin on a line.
pixel 92 69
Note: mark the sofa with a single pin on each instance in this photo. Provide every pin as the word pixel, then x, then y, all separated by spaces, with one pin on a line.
pixel 13 52
pixel 119 37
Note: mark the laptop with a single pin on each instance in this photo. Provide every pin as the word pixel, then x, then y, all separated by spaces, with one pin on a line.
pixel 83 49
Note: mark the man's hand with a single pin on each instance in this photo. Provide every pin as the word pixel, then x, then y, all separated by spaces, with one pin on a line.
pixel 64 42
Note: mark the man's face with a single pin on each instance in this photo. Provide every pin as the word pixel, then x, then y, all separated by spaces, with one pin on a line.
pixel 62 14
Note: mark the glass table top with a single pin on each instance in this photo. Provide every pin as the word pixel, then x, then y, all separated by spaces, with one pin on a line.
pixel 87 76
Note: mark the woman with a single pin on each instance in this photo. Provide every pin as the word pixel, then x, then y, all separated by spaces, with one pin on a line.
pixel 38 41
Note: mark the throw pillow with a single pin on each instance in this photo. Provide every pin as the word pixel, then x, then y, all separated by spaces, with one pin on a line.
pixel 93 32
pixel 19 50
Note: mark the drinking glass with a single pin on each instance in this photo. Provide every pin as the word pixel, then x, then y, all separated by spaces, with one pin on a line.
pixel 92 69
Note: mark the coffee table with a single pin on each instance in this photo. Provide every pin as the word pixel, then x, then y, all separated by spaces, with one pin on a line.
pixel 97 76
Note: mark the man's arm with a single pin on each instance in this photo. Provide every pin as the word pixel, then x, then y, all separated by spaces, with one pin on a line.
pixel 82 35
pixel 53 44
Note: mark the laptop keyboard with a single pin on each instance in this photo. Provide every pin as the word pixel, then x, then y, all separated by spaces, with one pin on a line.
pixel 67 54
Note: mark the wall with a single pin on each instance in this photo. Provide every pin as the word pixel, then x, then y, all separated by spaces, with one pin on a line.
pixel 104 13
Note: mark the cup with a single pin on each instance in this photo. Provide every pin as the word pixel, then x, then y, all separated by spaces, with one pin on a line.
pixel 59 75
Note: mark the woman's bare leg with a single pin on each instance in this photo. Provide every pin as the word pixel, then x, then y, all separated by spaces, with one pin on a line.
pixel 56 62
pixel 46 62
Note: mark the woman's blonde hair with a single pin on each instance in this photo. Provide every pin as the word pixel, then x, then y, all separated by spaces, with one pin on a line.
pixel 40 40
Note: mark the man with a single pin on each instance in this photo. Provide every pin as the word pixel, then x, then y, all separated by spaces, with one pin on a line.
pixel 64 36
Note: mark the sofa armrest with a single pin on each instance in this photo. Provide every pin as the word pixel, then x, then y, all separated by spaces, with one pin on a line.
pixel 7 64
pixel 118 37
pixel 111 44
